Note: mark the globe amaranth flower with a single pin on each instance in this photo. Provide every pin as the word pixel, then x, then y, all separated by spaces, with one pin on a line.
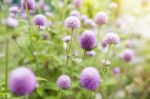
pixel 101 18
pixel 90 23
pixel 127 55
pixel 22 81
pixel 64 82
pixel 13 9
pixel 116 70
pixel 40 20
pixel 111 38
pixel 67 38
pixel 75 13
pixel 90 78
pixel 30 4
pixel 88 40
pixel 10 22
pixel 72 22
pixel 77 3
pixel 91 53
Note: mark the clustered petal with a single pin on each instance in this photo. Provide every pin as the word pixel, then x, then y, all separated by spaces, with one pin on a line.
pixel 40 20
pixel 88 40
pixel 90 78
pixel 72 22
pixel 101 18
pixel 64 82
pixel 110 38
pixel 22 81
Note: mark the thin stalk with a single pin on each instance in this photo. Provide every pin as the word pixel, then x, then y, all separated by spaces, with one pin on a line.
pixel 29 28
pixel 68 52
pixel 105 68
pixel 6 64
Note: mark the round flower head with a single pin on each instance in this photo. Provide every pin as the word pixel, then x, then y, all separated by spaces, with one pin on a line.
pixel 119 23
pixel 10 22
pixel 13 9
pixel 72 22
pixel 84 18
pixel 22 81
pixel 90 53
pixel 40 20
pixel 75 13
pixel 64 82
pixel 111 38
pixel 90 78
pixel 67 38
pixel 116 70
pixel 90 23
pixel 87 40
pixel 127 55
pixel 8 1
pixel 101 18
pixel 30 4
pixel 77 3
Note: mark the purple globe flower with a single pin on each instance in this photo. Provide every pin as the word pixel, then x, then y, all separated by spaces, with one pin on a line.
pixel 64 82
pixel 72 22
pixel 10 22
pixel 40 20
pixel 101 18
pixel 13 9
pixel 77 3
pixel 127 55
pixel 87 40
pixel 30 4
pixel 116 70
pixel 90 23
pixel 75 13
pixel 91 53
pixel 22 81
pixel 111 38
pixel 67 38
pixel 90 78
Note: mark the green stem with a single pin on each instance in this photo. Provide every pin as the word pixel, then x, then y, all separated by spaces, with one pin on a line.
pixel 68 52
pixel 6 63
pixel 106 58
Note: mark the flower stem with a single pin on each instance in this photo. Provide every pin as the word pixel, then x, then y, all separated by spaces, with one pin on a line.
pixel 6 64
pixel 105 66
pixel 68 51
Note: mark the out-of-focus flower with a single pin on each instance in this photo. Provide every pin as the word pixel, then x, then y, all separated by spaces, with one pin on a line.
pixel 119 23
pixel 90 78
pixel 91 53
pixel 111 38
pixel 88 40
pixel 22 81
pixel 77 3
pixel 116 70
pixel 84 18
pixel 8 1
pixel 40 20
pixel 101 18
pixel 127 55
pixel 90 23
pixel 72 22
pixel 64 82
pixel 14 9
pixel 67 38
pixel 10 22
pixel 30 4
pixel 75 13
